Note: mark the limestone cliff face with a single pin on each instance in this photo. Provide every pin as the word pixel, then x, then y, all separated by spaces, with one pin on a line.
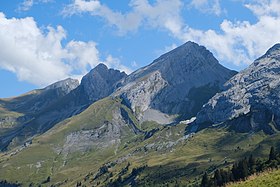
pixel 252 99
pixel 177 83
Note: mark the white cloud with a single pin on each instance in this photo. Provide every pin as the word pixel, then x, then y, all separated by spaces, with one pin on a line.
pixel 82 55
pixel 27 4
pixel 80 6
pixel 162 14
pixel 264 7
pixel 241 42
pixel 116 64
pixel 207 6
pixel 39 57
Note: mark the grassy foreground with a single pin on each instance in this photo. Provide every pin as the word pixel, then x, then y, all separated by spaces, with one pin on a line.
pixel 265 179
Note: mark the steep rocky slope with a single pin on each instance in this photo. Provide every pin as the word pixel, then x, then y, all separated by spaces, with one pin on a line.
pixel 177 83
pixel 252 99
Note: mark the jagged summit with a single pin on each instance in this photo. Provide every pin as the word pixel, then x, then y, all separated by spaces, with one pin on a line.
pixel 190 49
pixel 187 58
pixel 273 52
pixel 99 68
pixel 100 81
pixel 273 49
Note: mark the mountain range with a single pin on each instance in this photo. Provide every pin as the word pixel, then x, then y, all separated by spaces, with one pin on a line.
pixel 163 124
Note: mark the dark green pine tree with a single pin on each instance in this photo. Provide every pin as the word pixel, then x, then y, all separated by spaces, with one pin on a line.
pixel 218 178
pixel 205 182
pixel 272 154
pixel 252 164
pixel 243 169
pixel 226 176
pixel 235 172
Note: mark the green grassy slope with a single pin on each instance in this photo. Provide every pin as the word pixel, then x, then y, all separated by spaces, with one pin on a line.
pixel 167 157
pixel 269 178
pixel 43 157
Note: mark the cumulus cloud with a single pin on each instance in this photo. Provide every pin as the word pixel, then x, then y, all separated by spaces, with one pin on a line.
pixel 82 55
pixel 241 42
pixel 161 14
pixel 39 57
pixel 207 6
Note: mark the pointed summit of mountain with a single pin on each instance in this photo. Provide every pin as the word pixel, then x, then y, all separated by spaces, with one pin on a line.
pixel 274 50
pixel 187 58
pixel 251 101
pixel 191 50
pixel 177 83
pixel 100 81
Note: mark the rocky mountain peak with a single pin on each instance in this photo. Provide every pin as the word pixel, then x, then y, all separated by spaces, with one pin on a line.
pixel 101 68
pixel 187 59
pixel 99 82
pixel 178 82
pixel 273 50
pixel 191 50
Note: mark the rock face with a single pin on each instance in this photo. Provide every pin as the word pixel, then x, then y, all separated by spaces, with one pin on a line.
pixel 252 99
pixel 105 135
pixel 177 83
pixel 64 86
pixel 99 82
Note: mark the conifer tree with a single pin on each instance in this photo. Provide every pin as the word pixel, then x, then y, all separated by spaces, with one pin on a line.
pixel 243 169
pixel 226 176
pixel 252 164
pixel 272 154
pixel 218 178
pixel 205 182
pixel 235 172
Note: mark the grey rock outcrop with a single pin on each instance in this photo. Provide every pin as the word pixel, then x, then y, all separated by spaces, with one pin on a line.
pixel 64 86
pixel 107 133
pixel 177 83
pixel 252 99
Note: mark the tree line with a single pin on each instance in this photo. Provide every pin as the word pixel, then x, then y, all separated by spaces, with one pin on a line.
pixel 241 170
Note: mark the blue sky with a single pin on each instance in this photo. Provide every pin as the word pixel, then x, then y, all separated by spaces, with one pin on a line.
pixel 43 41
